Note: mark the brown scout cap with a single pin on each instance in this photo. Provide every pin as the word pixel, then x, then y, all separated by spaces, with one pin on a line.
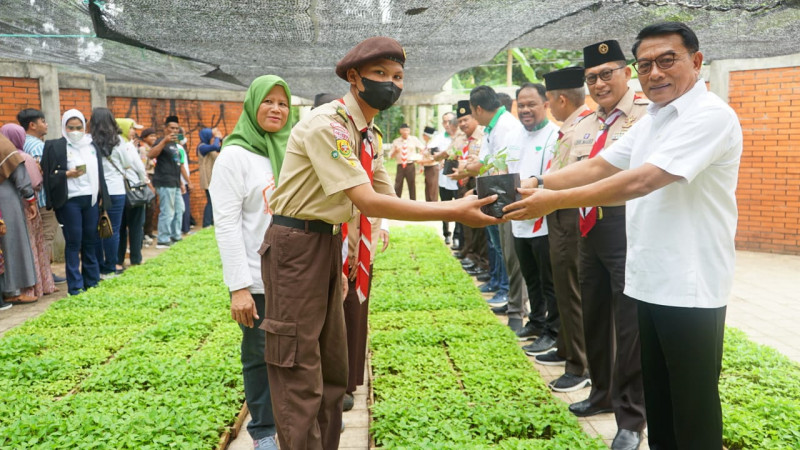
pixel 376 47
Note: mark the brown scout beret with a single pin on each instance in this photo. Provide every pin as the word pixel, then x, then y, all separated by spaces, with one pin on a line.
pixel 370 49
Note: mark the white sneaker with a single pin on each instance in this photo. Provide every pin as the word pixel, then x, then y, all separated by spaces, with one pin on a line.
pixel 5 306
pixel 267 443
pixel 107 276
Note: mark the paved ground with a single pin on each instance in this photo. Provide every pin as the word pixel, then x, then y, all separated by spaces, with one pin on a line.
pixel 764 304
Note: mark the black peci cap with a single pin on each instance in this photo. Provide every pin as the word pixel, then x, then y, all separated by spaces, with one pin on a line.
pixel 601 53
pixel 429 131
pixel 463 109
pixel 566 78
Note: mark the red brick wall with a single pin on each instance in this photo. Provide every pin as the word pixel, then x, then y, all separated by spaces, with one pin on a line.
pixel 768 104
pixel 194 115
pixel 80 99
pixel 17 94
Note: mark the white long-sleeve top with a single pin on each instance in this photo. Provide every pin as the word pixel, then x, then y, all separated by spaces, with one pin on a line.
pixel 241 185
pixel 124 159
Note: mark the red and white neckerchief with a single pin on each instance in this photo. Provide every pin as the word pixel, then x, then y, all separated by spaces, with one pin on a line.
pixel 404 154
pixel 588 215
pixel 463 157
pixel 364 257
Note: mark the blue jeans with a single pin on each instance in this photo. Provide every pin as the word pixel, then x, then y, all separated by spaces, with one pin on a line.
pixel 208 212
pixel 498 273
pixel 132 229
pixel 254 372
pixel 107 250
pixel 170 215
pixel 78 218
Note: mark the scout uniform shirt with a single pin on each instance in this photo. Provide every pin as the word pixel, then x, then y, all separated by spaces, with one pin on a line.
pixel 411 146
pixel 322 161
pixel 561 154
pixel 586 131
pixel 469 146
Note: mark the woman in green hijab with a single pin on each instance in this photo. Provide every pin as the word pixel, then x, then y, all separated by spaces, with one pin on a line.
pixel 241 185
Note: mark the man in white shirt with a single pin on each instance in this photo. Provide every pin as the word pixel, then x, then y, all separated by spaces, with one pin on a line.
pixel 438 147
pixel 529 156
pixel 677 168
pixel 500 130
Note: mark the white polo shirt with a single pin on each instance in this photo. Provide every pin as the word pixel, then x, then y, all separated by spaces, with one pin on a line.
pixel 503 135
pixel 528 156
pixel 681 237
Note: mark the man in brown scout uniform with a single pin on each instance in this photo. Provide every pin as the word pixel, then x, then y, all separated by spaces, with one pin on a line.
pixel 331 167
pixel 406 150
pixel 609 317
pixel 566 94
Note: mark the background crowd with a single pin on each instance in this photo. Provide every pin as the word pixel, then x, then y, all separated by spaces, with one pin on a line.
pixel 106 170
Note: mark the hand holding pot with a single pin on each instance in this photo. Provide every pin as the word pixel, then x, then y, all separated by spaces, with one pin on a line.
pixel 468 211
pixel 535 203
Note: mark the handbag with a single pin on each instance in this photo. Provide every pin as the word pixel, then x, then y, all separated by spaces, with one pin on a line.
pixel 138 194
pixel 104 229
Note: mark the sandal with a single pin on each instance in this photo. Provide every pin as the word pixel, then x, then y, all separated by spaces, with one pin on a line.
pixel 21 300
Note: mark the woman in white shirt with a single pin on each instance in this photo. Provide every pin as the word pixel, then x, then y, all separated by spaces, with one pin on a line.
pixel 241 185
pixel 74 182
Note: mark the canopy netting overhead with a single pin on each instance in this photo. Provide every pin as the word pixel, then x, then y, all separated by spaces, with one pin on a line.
pixel 227 43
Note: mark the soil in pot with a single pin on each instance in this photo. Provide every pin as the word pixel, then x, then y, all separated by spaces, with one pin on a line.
pixel 505 186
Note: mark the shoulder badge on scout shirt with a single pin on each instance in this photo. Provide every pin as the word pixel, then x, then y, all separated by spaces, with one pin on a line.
pixel 342 113
pixel 343 146
pixel 339 131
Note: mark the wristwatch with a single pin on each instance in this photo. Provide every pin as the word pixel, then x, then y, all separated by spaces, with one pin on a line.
pixel 539 181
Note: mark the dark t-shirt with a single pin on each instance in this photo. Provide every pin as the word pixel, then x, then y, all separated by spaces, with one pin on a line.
pixel 168 167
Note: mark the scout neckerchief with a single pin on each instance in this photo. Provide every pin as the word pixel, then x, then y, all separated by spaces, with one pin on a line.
pixel 588 215
pixel 464 154
pixel 365 227
pixel 404 154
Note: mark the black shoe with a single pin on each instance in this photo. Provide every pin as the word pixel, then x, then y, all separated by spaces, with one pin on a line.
pixel 626 440
pixel 529 332
pixel 467 263
pixel 514 324
pixel 459 255
pixel 586 409
pixel 447 240
pixel 483 277
pixel 550 358
pixel 504 310
pixel 349 402
pixel 475 271
pixel 569 383
pixel 456 245
pixel 543 344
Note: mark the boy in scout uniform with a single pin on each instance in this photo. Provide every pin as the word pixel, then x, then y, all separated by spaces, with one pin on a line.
pixel 332 166
pixel 609 316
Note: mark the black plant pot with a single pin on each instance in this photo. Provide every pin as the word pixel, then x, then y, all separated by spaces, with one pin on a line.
pixel 450 166
pixel 505 186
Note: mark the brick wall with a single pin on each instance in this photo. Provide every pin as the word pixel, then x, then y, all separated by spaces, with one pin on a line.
pixel 80 99
pixel 17 94
pixel 768 104
pixel 194 115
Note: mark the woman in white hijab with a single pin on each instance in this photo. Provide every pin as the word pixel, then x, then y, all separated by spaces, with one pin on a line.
pixel 74 183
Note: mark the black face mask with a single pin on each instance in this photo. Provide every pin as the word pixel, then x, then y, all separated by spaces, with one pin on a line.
pixel 379 94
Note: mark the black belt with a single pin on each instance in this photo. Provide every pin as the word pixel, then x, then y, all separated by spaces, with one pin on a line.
pixel 610 211
pixel 316 226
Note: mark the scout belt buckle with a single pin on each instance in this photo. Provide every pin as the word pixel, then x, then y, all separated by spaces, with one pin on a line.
pixel 336 228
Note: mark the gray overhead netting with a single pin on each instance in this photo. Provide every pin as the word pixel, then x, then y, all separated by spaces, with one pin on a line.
pixel 227 43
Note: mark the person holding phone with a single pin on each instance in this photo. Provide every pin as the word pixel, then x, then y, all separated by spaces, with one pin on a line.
pixel 74 183
pixel 167 181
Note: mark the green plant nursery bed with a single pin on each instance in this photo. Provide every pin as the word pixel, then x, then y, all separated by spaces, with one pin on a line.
pixel 446 373
pixel 146 360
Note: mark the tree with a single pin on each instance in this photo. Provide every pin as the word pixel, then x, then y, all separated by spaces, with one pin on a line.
pixel 530 65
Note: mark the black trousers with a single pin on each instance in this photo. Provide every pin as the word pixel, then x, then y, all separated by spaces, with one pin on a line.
pixel 610 322
pixel 446 195
pixel 681 363
pixel 562 230
pixel 534 263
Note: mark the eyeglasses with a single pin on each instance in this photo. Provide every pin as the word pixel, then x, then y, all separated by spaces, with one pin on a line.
pixel 664 62
pixel 604 75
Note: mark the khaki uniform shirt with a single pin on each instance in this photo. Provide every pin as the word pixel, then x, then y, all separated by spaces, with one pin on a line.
pixel 460 141
pixel 563 148
pixel 413 145
pixel 586 130
pixel 322 161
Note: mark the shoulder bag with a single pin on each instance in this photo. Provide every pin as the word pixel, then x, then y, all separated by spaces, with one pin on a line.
pixel 138 194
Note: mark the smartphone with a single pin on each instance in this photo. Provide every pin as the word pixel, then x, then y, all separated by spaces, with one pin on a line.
pixel 81 168
pixel 180 137
pixel 434 150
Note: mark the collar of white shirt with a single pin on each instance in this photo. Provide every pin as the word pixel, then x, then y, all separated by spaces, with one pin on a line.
pixel 683 102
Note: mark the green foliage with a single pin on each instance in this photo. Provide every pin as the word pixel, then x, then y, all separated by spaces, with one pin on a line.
pixel 148 360
pixel 495 162
pixel 760 392
pixel 530 66
pixel 447 373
